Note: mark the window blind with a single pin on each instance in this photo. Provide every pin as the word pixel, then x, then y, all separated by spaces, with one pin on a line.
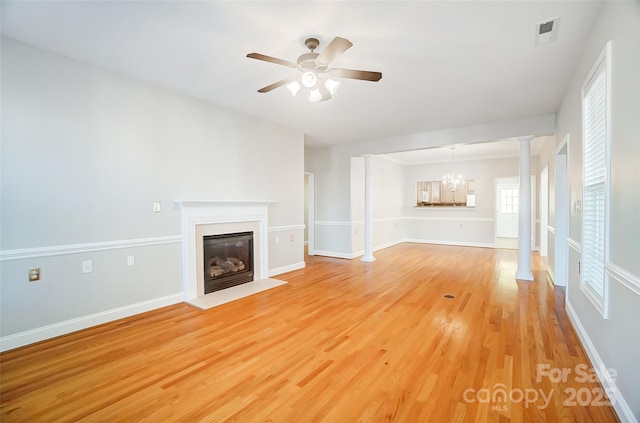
pixel 594 182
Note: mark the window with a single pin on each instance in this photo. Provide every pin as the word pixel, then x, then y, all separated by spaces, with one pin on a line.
pixel 595 190
pixel 509 201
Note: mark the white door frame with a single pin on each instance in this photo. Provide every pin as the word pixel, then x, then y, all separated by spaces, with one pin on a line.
pixel 500 181
pixel 311 204
pixel 544 211
pixel 497 181
pixel 561 218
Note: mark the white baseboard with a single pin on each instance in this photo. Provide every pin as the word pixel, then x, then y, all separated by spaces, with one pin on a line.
pixel 285 269
pixel 400 241
pixel 619 404
pixel 31 336
pixel 378 247
pixel 456 243
pixel 333 254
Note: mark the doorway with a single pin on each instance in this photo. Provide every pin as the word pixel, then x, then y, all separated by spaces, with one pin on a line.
pixel 544 211
pixel 309 215
pixel 507 203
pixel 561 221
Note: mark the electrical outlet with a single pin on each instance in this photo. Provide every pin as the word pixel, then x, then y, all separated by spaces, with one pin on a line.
pixel 130 261
pixel 87 266
pixel 277 239
pixel 156 207
pixel 292 237
pixel 34 274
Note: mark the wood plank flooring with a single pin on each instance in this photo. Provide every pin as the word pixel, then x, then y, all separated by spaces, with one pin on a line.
pixel 343 341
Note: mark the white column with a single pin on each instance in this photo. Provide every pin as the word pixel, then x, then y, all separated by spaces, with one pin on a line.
pixel 524 212
pixel 368 211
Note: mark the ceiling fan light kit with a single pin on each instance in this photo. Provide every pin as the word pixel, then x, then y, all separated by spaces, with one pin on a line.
pixel 311 65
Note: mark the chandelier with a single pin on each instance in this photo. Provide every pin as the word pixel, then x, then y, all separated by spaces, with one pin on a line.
pixel 451 181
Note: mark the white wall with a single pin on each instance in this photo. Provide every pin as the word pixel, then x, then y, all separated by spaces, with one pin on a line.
pixel 456 225
pixel 332 167
pixel 387 180
pixel 85 153
pixel 613 342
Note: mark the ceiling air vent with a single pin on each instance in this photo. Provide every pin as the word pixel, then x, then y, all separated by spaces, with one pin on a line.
pixel 546 31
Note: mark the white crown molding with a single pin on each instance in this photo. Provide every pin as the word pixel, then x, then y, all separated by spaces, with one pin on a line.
pixel 58 250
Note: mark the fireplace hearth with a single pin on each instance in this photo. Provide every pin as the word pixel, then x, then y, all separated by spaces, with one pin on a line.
pixel 228 260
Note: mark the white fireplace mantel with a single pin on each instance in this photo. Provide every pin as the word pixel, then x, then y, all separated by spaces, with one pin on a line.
pixel 216 217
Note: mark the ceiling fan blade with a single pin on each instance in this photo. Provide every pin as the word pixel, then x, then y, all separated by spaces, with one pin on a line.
pixel 356 74
pixel 275 60
pixel 336 47
pixel 278 84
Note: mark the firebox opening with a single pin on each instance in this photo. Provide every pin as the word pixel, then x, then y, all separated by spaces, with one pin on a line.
pixel 228 260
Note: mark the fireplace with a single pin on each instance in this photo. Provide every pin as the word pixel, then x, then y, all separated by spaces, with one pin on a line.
pixel 228 260
pixel 201 219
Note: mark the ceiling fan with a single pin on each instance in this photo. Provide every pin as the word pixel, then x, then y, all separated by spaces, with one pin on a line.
pixel 313 64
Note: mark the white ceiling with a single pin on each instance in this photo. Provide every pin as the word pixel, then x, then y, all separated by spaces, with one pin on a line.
pixel 444 64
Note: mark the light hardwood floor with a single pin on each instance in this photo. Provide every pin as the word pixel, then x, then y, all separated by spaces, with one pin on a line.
pixel 343 341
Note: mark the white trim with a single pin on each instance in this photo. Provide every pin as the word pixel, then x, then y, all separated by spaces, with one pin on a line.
pixel 551 229
pixel 311 213
pixel 598 303
pixel 392 219
pixel 332 223
pixel 619 404
pixel 388 244
pixel 602 64
pixel 623 276
pixel 59 250
pixel 286 228
pixel 461 160
pixel 379 247
pixel 285 269
pixel 575 245
pixel 20 339
pixel 451 218
pixel 381 220
pixel 455 243
pixel 561 145
pixel 232 203
pixel 335 254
